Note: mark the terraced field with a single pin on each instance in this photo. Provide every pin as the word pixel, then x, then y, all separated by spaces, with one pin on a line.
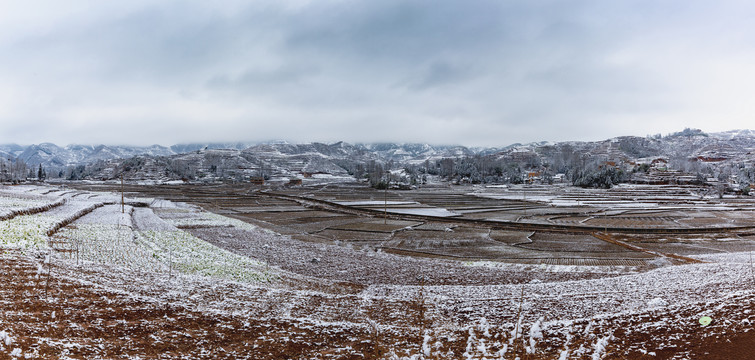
pixel 300 274
pixel 552 225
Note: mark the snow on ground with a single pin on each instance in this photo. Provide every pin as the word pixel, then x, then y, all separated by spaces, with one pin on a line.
pixel 160 203
pixel 343 263
pixel 400 325
pixel 175 281
pixel 624 196
pixel 26 231
pixel 187 217
pixel 677 285
pixel 375 203
pixel 31 230
pixel 407 209
pixel 187 254
pixel 439 212
pixel 109 215
pixel 14 203
pixel 107 236
pixel 17 201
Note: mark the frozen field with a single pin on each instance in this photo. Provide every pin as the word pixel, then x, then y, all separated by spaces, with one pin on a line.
pixel 162 278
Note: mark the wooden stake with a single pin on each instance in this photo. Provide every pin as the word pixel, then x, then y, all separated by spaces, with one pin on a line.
pixel 49 270
pixel 518 320
pixel 123 207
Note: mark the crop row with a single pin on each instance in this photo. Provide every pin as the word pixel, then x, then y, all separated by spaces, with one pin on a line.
pixel 159 251
pixel 32 228
pixel 169 249
pixel 72 217
pixel 24 232
pixel 110 244
pixel 161 248
pixel 191 255
pixel 16 208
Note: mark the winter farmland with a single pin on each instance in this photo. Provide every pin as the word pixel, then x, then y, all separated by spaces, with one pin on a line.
pixel 345 272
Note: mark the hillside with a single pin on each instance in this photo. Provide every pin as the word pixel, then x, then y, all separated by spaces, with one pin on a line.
pixel 688 155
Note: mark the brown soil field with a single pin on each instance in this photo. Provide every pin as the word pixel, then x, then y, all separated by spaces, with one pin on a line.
pixel 87 313
pixel 351 287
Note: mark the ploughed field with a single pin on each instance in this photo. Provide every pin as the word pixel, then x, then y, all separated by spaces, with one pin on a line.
pixel 525 224
pixel 346 272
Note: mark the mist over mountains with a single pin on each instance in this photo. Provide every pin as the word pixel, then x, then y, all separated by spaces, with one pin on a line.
pixel 54 157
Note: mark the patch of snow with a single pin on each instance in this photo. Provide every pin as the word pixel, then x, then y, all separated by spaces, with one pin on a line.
pixel 600 348
pixel 657 302
pixel 439 212
pixel 6 338
pixel 375 203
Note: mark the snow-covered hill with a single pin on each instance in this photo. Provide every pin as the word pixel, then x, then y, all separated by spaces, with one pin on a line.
pixel 53 156
pixel 684 149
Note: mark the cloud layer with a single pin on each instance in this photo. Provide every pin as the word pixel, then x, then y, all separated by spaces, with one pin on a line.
pixel 450 72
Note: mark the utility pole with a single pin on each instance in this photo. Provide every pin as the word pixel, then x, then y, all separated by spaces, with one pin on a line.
pixel 385 197
pixel 385 204
pixel 123 206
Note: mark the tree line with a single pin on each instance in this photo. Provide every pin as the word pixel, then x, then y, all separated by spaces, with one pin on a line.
pixel 579 164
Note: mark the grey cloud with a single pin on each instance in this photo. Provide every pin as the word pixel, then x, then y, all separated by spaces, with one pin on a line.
pixel 439 74
pixel 421 70
pixel 396 30
pixel 258 79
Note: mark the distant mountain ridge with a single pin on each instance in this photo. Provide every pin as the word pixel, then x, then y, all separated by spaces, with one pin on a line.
pixel 53 156
pixel 282 159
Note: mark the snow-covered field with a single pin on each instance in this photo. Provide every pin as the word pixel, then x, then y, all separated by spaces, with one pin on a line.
pixel 25 231
pixel 174 281
pixel 624 196
pixel 439 212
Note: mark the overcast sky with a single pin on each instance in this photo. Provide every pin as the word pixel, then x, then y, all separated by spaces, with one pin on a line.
pixel 477 73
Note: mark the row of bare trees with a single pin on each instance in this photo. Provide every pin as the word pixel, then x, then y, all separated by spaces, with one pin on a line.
pixel 13 170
